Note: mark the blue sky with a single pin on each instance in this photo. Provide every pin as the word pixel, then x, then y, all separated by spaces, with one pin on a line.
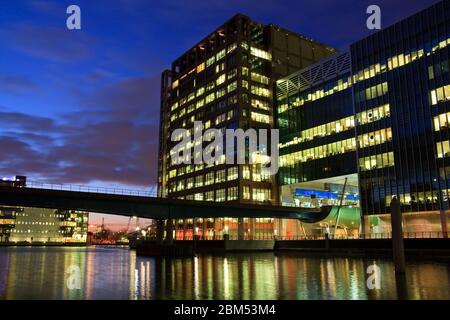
pixel 82 107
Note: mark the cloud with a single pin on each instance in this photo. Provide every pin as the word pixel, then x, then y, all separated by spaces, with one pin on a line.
pixel 113 138
pixel 49 43
pixel 17 84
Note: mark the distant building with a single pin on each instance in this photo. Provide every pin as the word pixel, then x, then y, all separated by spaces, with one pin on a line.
pixel 49 225
pixel 17 181
pixel 19 224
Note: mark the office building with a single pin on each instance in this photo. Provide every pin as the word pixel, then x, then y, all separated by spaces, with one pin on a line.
pixel 23 224
pixel 398 143
pixel 401 93
pixel 318 145
pixel 226 81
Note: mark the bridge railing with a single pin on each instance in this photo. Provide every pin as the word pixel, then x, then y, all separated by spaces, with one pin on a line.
pixel 406 235
pixel 91 189
pixel 386 235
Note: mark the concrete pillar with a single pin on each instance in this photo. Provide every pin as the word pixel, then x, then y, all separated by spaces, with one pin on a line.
pixel 241 232
pixel 444 228
pixel 205 229
pixel 169 231
pixel 251 223
pixel 159 230
pixel 397 236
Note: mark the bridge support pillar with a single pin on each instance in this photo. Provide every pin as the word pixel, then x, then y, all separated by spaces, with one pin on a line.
pixel 241 232
pixel 169 231
pixel 397 236
pixel 159 230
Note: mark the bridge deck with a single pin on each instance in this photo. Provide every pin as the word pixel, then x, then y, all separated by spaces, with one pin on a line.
pixel 149 207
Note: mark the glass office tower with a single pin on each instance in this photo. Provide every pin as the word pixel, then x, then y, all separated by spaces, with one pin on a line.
pixel 401 87
pixel 398 93
pixel 318 144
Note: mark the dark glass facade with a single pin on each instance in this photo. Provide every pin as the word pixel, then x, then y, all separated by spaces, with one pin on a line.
pixel 399 90
pixel 395 73
pixel 316 123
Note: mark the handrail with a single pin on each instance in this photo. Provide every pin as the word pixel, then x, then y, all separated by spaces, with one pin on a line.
pixel 385 235
pixel 91 189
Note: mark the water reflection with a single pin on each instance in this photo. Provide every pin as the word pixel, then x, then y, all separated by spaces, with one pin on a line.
pixel 116 273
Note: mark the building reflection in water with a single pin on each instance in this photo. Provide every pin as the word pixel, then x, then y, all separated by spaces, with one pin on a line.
pixel 116 273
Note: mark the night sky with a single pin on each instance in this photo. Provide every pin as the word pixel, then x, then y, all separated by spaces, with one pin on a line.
pixel 82 106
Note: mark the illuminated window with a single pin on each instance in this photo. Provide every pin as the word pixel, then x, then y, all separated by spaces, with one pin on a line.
pixel 210 61
pixel 189 183
pixel 231 47
pixel 440 94
pixel 261 195
pixel 200 67
pixel 260 53
pixel 441 121
pixel 220 54
pixel 232 193
pixel 198 181
pixel 258 174
pixel 232 173
pixel 232 86
pixel 443 149
pixel 246 172
pixel 191 96
pixel 245 71
pixel 220 93
pixel 220 195
pixel 374 114
pixel 376 161
pixel 220 67
pixel 210 86
pixel 259 104
pixel 259 117
pixel 221 79
pixel 259 78
pixel 375 138
pixel 210 98
pixel 200 91
pixel 200 103
pixel 175 84
pixel 198 197
pixel 221 118
pixel 246 192
pixel 319 152
pixel 260 91
pixel 230 115
pixel 372 92
pixel 220 176
pixel 209 196
pixel 232 73
pixel 209 178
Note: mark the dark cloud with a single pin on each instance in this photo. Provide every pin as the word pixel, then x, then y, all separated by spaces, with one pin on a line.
pixel 114 138
pixel 50 43
pixel 17 84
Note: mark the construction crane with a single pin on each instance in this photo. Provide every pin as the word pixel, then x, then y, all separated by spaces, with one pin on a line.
pixel 129 222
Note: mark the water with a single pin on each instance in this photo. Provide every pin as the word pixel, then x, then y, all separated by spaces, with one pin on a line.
pixel 116 273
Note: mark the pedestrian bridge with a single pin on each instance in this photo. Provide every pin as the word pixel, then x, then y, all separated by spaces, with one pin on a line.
pixel 144 204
